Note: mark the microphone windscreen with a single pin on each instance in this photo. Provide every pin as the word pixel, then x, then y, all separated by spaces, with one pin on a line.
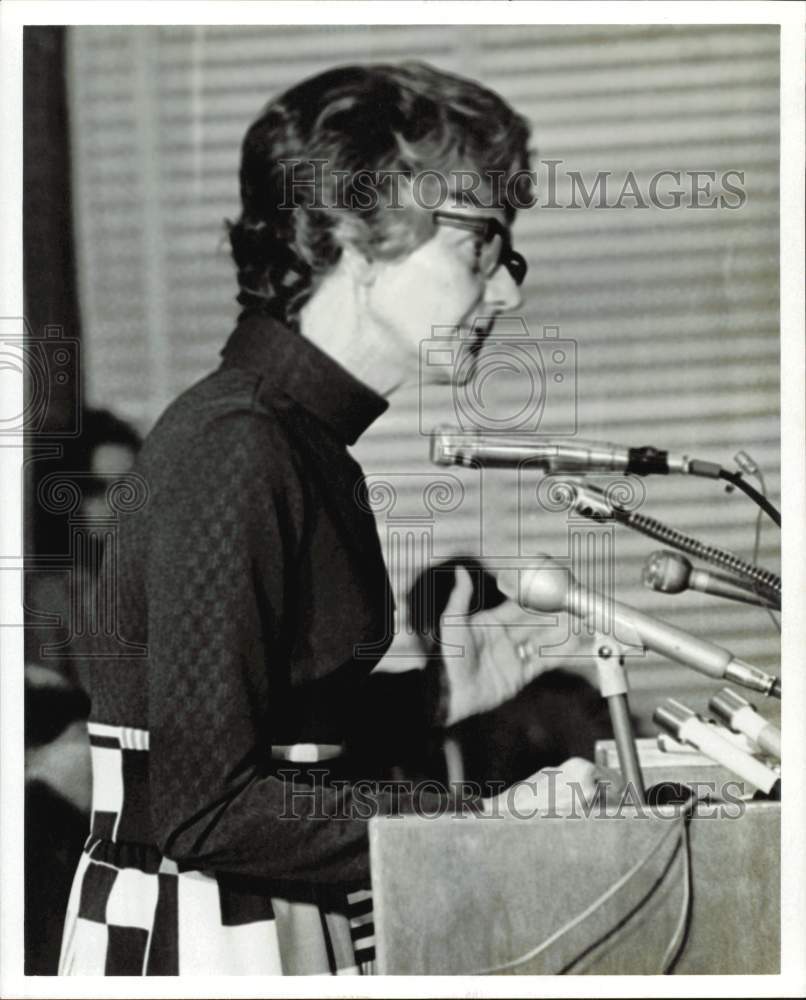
pixel 667 572
pixel 543 588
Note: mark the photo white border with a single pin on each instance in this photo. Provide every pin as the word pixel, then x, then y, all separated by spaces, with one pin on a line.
pixel 14 14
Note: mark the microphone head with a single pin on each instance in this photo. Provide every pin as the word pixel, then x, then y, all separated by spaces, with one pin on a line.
pixel 667 572
pixel 543 589
pixel 727 702
pixel 671 715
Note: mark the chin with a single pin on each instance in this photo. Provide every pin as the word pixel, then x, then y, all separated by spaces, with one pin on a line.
pixel 444 377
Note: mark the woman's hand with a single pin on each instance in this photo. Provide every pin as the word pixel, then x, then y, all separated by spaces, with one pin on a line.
pixel 488 657
pixel 554 790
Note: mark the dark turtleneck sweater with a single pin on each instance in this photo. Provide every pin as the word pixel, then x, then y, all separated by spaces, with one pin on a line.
pixel 253 595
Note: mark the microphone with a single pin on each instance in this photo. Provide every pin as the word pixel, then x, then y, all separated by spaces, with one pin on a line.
pixel 451 446
pixel 687 727
pixel 553 588
pixel 740 715
pixel 670 573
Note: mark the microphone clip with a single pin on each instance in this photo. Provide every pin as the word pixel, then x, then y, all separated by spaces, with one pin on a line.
pixel 647 461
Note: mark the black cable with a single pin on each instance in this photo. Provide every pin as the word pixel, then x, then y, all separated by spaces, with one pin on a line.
pixel 736 479
pixel 754 471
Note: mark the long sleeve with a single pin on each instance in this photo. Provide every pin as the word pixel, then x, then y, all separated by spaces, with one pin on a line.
pixel 396 723
pixel 225 528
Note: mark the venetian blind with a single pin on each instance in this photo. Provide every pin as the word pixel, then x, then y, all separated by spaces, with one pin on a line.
pixel 664 321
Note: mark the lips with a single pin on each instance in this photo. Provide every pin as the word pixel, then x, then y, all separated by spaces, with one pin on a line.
pixel 480 336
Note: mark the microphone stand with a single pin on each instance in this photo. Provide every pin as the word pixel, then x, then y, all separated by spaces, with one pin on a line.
pixel 614 688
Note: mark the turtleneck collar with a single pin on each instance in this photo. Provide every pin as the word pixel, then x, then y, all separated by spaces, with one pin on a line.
pixel 293 364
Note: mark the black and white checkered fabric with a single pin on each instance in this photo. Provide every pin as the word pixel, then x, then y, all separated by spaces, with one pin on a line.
pixel 133 912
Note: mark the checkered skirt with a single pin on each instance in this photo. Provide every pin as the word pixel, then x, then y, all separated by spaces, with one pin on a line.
pixel 134 912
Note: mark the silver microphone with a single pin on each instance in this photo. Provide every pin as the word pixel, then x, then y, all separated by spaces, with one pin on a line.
pixel 553 588
pixel 671 573
pixel 687 727
pixel 452 446
pixel 741 716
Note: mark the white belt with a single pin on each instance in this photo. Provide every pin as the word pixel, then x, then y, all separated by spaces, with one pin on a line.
pixel 307 753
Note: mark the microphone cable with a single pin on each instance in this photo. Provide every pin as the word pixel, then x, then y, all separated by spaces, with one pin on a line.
pixel 644 461
pixel 678 939
pixel 736 479
pixel 680 933
pixel 747 464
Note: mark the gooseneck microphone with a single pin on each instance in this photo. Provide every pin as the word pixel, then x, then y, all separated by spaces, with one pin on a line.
pixel 451 446
pixel 671 573
pixel 592 502
pixel 552 589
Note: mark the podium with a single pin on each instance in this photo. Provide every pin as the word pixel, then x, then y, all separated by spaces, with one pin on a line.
pixel 597 894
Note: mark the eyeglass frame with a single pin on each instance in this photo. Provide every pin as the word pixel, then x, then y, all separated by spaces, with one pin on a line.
pixel 486 228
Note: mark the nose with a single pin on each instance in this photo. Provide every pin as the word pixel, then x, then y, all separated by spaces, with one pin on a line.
pixel 501 293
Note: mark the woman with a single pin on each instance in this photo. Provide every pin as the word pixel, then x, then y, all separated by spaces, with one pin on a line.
pixel 252 574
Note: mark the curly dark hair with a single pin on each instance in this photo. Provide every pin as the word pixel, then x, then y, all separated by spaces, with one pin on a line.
pixel 343 136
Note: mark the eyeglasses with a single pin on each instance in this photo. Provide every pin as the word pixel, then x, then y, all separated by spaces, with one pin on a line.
pixel 493 244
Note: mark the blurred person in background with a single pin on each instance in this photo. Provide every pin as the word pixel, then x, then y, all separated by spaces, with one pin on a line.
pixel 105 449
pixel 228 832
pixel 57 751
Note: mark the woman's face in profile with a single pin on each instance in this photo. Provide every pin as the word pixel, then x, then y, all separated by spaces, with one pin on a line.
pixel 439 291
